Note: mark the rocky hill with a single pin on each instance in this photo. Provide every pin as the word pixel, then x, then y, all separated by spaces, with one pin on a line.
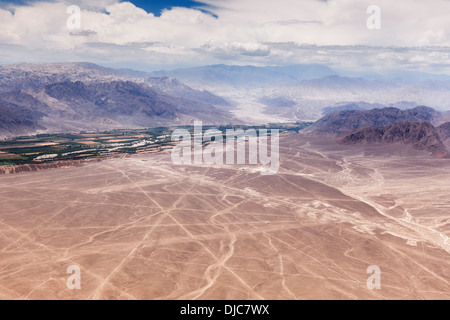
pixel 444 133
pixel 419 135
pixel 345 121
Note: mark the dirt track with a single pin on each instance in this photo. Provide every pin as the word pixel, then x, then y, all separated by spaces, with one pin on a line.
pixel 150 230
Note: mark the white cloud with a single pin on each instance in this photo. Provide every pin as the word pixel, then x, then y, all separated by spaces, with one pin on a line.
pixel 234 49
pixel 246 31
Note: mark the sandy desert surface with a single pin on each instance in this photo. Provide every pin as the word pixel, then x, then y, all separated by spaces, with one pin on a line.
pixel 142 228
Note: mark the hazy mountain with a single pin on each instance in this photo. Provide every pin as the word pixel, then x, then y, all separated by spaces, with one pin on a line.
pixel 352 106
pixel 82 96
pixel 444 133
pixel 317 97
pixel 17 120
pixel 349 120
pixel 217 93
pixel 217 77
pixel 444 130
pixel 334 88
pixel 419 135
pixel 23 99
pixel 24 76
pixel 107 99
pixel 124 103
pixel 74 106
pixel 277 102
pixel 361 105
pixel 176 88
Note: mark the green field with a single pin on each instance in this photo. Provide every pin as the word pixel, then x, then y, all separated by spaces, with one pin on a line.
pixel 45 148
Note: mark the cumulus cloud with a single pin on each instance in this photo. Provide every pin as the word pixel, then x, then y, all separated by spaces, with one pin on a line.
pixel 414 33
pixel 234 49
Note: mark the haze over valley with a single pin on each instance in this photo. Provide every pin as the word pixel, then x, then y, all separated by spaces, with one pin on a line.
pixel 71 97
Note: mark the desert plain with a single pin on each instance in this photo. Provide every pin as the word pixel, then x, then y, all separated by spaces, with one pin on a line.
pixel 141 227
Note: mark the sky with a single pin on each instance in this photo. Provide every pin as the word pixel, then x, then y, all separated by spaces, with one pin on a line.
pixel 156 7
pixel 154 35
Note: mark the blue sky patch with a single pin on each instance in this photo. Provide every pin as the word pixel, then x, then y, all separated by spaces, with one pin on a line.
pixel 157 6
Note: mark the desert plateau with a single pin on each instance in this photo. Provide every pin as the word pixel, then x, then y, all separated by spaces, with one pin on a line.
pixel 142 228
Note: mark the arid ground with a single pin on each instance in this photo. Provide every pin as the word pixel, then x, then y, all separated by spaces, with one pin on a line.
pixel 142 228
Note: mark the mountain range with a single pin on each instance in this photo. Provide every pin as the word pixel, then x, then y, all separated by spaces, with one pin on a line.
pixel 306 92
pixel 220 77
pixel 81 96
pixel 70 97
